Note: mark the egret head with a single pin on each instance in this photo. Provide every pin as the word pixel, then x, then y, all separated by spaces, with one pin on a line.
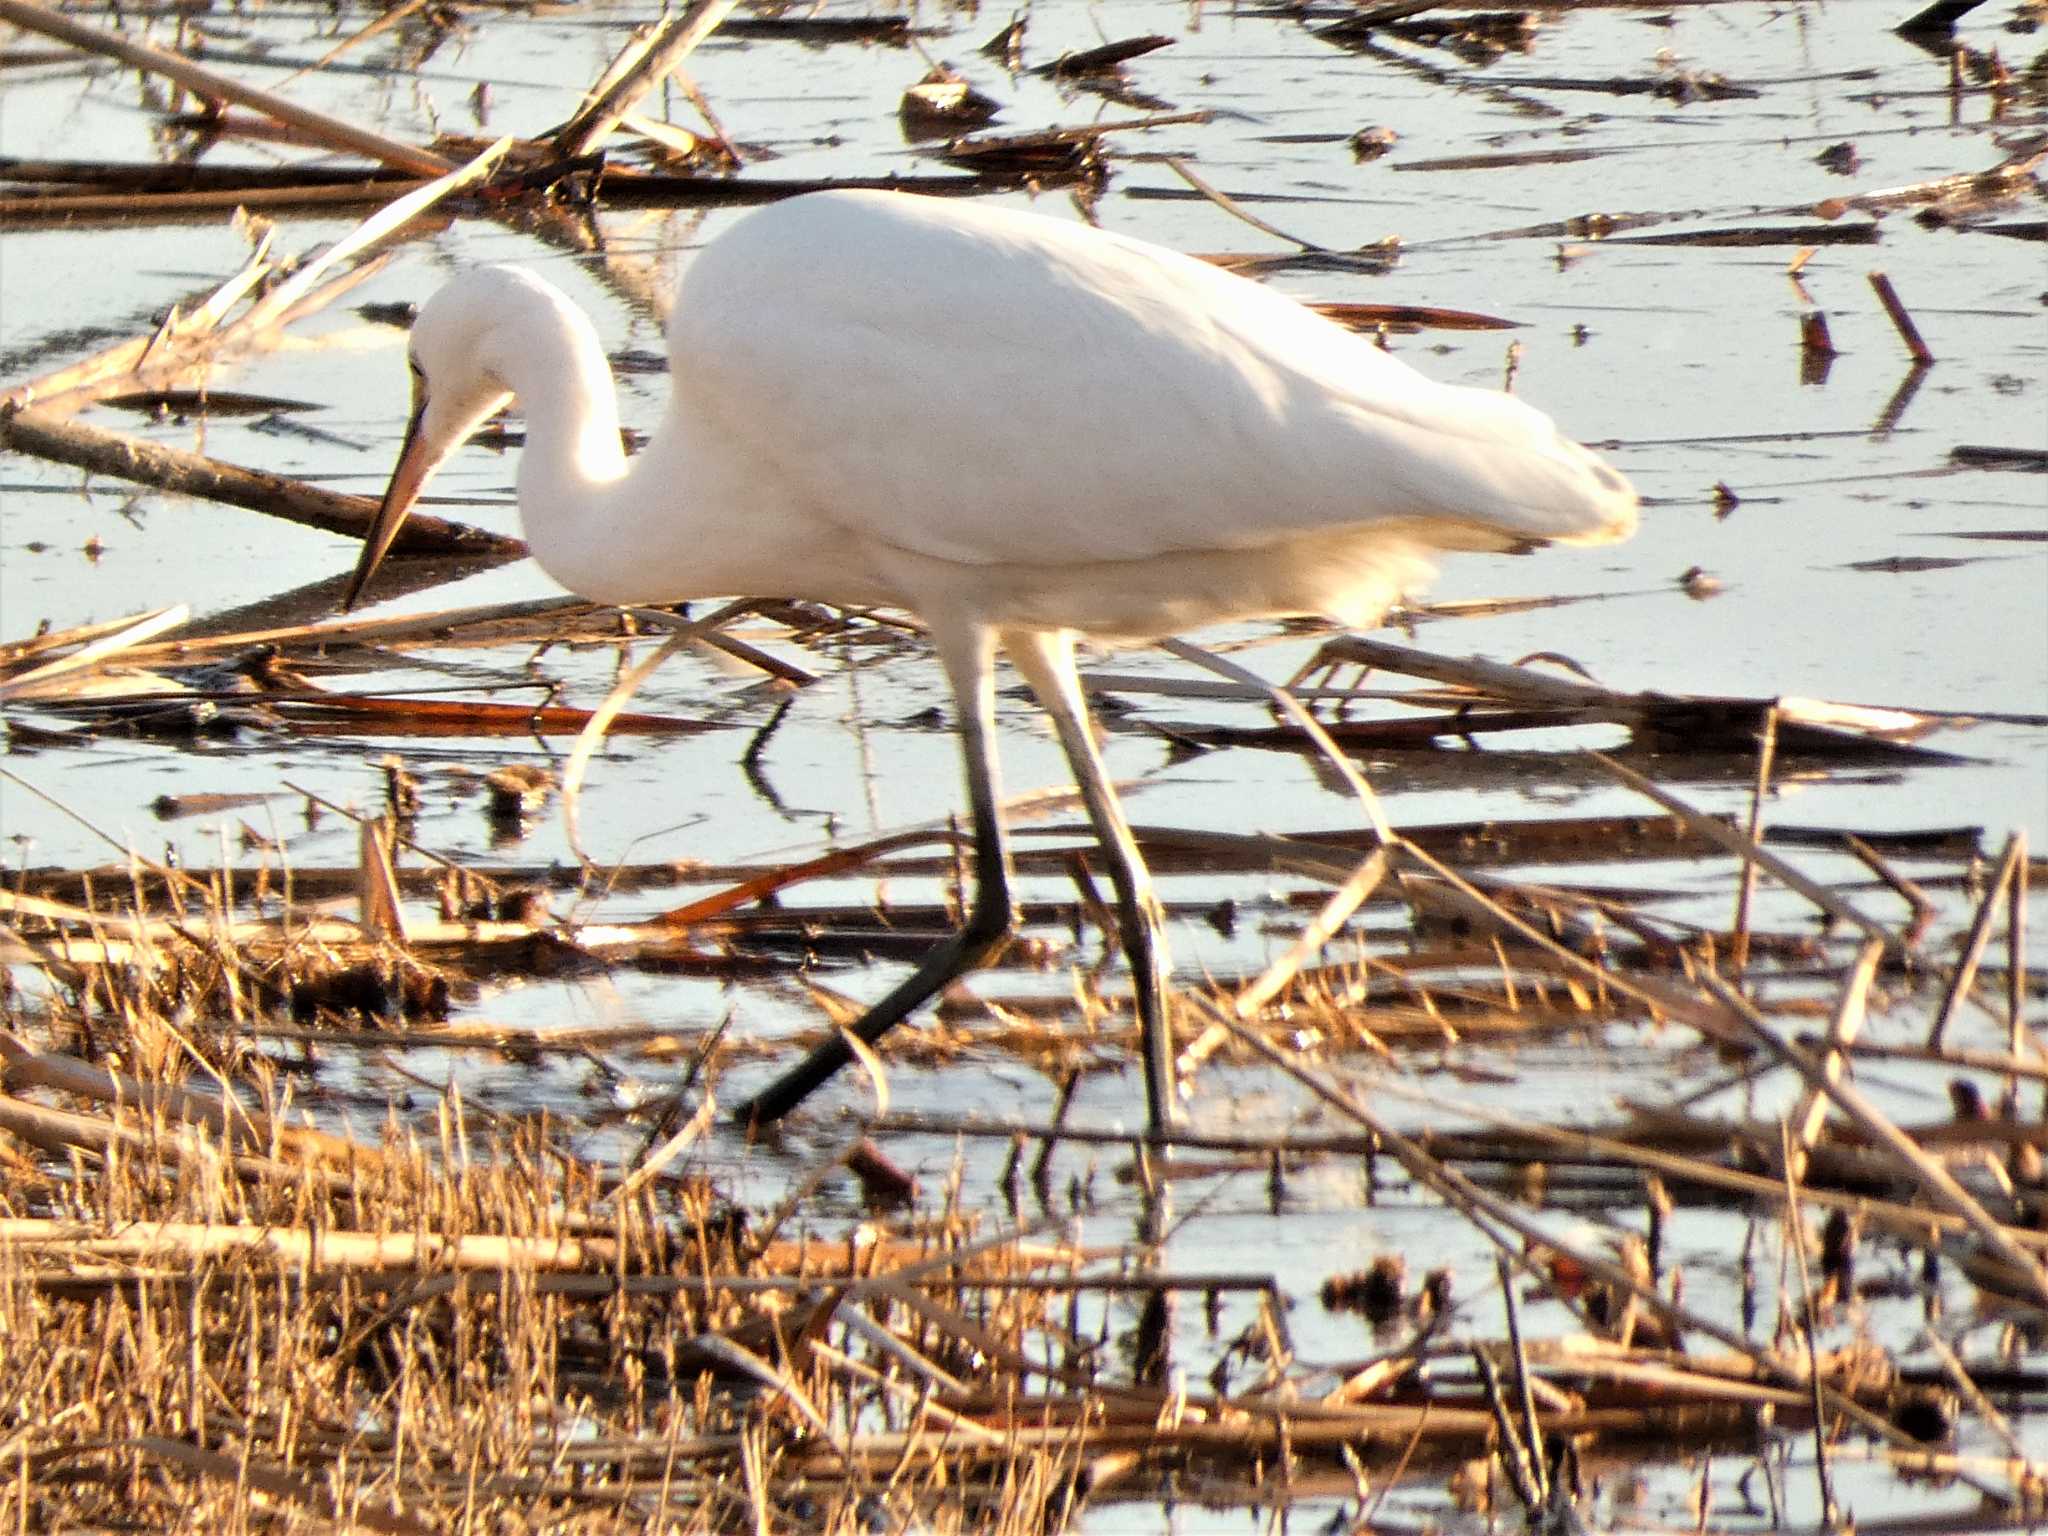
pixel 458 382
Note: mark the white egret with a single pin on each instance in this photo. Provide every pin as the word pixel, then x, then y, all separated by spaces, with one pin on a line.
pixel 1019 428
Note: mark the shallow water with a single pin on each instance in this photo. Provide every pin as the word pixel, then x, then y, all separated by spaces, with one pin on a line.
pixel 1681 361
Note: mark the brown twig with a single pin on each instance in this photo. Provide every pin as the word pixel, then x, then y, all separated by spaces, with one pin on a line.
pixel 1901 321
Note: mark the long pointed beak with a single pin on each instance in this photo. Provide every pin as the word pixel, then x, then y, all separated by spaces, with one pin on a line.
pixel 416 461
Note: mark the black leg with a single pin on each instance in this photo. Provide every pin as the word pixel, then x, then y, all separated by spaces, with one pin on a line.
pixel 968 663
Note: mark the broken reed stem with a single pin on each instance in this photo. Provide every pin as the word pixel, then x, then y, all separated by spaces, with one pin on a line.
pixel 1332 915
pixel 1816 347
pixel 1532 1433
pixel 172 346
pixel 676 39
pixel 651 1166
pixel 1319 930
pixel 216 87
pixel 191 343
pixel 121 208
pixel 1041 1165
pixel 1684 1007
pixel 1922 904
pixel 925 1123
pixel 1936 20
pixel 1809 1322
pixel 136 631
pixel 1288 705
pixel 1748 850
pixel 1509 1452
pixel 1979 939
pixel 175 470
pixel 1974 1394
pixel 1745 894
pixel 222 1115
pixel 1843 1026
pixel 1361 882
pixel 1236 210
pixel 591 737
pixel 1902 322
pixel 2016 948
pixel 384 23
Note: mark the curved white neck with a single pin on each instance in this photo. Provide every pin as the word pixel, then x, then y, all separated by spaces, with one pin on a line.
pixel 572 474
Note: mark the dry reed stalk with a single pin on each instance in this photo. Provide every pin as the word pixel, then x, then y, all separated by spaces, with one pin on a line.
pixel 182 332
pixel 133 632
pixel 379 25
pixel 377 905
pixel 1844 1024
pixel 1983 1407
pixel 217 87
pixel 244 1472
pixel 1682 1006
pixel 259 935
pixel 185 1148
pixel 118 209
pixel 773 882
pixel 1766 754
pixel 188 346
pixel 1794 1230
pixel 1236 210
pixel 2029 1066
pixel 98 451
pixel 650 1167
pixel 1357 885
pixel 661 53
pixel 1374 318
pixel 1751 852
pixel 729 645
pixel 1816 725
pixel 1255 995
pixel 1977 941
pixel 592 735
pixel 1922 905
pixel 443 626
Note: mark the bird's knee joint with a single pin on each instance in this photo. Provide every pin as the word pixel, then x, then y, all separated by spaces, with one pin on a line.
pixel 989 924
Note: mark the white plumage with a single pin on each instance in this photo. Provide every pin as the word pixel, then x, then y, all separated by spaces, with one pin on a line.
pixel 1017 428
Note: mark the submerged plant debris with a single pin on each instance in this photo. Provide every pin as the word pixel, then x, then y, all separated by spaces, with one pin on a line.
pixel 1628 1115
